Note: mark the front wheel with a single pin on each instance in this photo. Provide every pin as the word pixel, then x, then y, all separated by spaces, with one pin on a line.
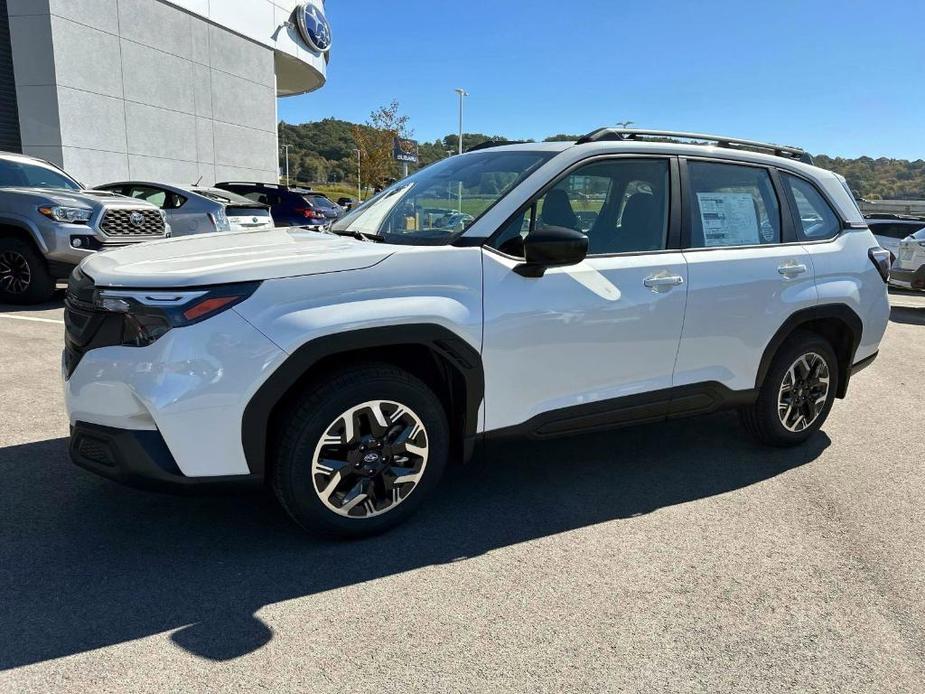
pixel 361 452
pixel 24 276
pixel 797 394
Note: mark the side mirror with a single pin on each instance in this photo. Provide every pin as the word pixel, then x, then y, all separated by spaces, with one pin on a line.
pixel 552 247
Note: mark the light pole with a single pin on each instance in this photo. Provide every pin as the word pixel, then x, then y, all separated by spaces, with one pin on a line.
pixel 286 147
pixel 359 189
pixel 462 95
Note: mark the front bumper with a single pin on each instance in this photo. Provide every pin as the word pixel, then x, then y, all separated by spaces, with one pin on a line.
pixel 140 458
pixel 59 238
pixel 909 279
pixel 190 388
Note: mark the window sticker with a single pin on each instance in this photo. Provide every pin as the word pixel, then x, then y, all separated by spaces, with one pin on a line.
pixel 729 219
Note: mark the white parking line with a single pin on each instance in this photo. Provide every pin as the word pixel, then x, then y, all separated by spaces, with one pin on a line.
pixel 30 318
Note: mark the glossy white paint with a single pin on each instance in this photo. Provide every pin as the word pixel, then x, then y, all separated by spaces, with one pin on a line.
pixel 192 385
pixel 737 299
pixel 415 284
pixel 578 334
pixel 225 257
pixel 845 274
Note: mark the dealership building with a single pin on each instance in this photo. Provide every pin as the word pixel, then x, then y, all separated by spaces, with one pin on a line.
pixel 173 91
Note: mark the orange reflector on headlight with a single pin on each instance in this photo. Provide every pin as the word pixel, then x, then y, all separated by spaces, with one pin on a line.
pixel 208 306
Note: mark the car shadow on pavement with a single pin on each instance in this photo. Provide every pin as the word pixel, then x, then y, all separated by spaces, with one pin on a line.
pixel 56 302
pixel 86 563
pixel 908 316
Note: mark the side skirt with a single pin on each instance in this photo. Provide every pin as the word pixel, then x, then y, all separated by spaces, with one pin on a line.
pixel 656 406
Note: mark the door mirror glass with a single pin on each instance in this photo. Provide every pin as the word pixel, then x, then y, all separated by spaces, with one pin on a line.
pixel 552 246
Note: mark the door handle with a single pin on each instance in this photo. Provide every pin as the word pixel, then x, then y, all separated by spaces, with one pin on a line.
pixel 662 283
pixel 791 269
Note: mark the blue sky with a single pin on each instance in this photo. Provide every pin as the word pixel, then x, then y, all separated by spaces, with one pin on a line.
pixel 841 78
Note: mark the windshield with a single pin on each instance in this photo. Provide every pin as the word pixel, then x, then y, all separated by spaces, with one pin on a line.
pixel 444 199
pixel 21 174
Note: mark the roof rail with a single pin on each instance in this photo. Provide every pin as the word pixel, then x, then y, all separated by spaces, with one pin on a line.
pixel 494 143
pixel 623 134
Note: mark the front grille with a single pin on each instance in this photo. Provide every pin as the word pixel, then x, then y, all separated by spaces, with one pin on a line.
pixel 120 223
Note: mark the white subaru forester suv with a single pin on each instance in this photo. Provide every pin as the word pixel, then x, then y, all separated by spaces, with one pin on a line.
pixel 536 290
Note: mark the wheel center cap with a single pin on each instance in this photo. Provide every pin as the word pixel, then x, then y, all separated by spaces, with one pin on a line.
pixel 371 458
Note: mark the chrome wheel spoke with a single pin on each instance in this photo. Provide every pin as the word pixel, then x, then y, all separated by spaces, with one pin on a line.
pixel 803 392
pixel 370 459
pixel 15 273
pixel 356 496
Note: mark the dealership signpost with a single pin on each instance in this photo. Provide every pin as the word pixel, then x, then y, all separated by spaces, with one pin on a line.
pixel 405 151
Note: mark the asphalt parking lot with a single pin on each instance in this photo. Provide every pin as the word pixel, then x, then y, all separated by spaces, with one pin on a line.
pixel 673 557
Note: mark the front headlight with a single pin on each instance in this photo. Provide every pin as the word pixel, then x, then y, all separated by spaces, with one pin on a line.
pixel 148 315
pixel 71 215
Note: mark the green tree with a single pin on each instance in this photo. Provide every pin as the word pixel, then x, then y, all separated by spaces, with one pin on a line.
pixel 375 140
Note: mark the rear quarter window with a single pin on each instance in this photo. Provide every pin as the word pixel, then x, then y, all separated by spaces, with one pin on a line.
pixel 813 216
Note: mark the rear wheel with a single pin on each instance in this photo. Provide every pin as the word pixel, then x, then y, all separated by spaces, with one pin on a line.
pixel 361 452
pixel 24 276
pixel 797 394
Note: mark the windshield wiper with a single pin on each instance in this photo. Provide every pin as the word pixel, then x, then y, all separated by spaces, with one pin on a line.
pixel 358 235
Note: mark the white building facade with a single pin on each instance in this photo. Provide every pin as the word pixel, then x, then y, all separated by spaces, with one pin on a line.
pixel 175 91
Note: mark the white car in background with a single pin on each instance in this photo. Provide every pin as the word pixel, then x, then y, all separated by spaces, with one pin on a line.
pixel 891 229
pixel 198 210
pixel 908 270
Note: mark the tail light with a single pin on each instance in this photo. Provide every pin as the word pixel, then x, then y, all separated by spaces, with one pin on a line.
pixel 220 220
pixel 149 315
pixel 310 214
pixel 881 260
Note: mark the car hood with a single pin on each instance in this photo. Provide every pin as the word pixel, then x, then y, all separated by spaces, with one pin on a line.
pixel 93 199
pixel 226 257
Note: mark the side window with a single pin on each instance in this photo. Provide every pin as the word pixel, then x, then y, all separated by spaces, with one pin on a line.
pixel 816 218
pixel 732 205
pixel 155 196
pixel 621 205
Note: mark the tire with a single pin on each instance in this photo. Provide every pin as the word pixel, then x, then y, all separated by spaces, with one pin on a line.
pixel 318 454
pixel 764 420
pixel 24 276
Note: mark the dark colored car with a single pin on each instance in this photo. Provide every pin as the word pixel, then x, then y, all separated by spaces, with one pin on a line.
pixel 290 206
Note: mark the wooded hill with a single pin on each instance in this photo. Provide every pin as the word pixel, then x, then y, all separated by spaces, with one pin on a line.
pixel 324 151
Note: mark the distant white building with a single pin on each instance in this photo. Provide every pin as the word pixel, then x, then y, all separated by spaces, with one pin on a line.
pixel 171 90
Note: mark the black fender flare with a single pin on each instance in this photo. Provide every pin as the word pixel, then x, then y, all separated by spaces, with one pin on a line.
pixel 453 349
pixel 841 312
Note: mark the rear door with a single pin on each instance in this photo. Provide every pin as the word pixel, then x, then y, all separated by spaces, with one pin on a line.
pixel 747 272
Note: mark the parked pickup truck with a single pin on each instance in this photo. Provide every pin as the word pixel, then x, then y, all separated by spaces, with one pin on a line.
pixel 49 223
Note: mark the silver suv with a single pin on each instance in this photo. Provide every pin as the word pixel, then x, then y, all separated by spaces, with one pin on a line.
pixel 49 223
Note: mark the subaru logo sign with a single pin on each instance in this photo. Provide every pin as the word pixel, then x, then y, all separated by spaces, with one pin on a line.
pixel 136 219
pixel 314 27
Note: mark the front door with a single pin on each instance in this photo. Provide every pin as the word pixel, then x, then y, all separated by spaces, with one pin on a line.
pixel 586 345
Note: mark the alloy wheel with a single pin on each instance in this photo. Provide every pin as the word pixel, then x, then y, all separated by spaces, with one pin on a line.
pixel 15 273
pixel 803 392
pixel 370 459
